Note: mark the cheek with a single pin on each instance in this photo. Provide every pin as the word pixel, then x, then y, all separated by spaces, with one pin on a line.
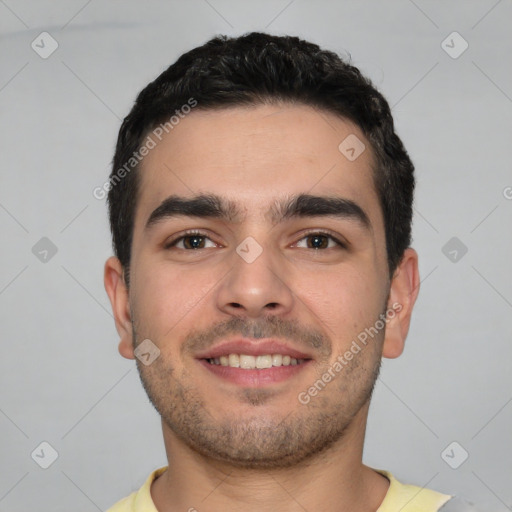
pixel 344 300
pixel 164 296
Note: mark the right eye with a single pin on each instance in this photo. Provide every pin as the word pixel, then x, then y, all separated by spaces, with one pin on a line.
pixel 191 240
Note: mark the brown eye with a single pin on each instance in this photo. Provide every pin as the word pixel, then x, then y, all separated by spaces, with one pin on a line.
pixel 190 241
pixel 321 241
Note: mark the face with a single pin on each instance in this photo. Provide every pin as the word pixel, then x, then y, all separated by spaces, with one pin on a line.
pixel 253 276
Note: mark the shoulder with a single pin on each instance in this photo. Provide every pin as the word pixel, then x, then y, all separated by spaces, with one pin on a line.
pixel 411 498
pixel 139 501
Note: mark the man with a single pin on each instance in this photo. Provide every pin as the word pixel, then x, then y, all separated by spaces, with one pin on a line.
pixel 260 206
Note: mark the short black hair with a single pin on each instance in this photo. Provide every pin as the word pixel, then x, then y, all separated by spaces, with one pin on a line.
pixel 259 68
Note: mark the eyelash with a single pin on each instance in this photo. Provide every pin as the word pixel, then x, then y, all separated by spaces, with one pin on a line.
pixel 193 233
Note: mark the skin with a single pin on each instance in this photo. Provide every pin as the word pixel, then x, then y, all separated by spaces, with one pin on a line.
pixel 232 447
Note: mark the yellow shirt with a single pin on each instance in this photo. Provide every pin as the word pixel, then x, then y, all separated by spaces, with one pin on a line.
pixel 406 498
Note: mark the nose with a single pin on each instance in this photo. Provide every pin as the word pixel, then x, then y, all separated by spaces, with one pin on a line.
pixel 255 288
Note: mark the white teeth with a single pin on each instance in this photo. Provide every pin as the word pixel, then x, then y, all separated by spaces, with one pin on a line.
pixel 264 361
pixel 277 360
pixel 248 362
pixel 234 360
pixel 251 362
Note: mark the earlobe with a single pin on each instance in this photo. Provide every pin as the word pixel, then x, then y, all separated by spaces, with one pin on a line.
pixel 125 348
pixel 119 299
pixel 402 296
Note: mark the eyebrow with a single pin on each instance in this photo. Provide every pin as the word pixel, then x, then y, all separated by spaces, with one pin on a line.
pixel 302 205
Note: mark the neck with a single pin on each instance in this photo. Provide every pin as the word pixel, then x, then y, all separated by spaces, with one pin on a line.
pixel 333 481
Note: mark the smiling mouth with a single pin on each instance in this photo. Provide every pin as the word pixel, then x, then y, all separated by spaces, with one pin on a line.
pixel 260 362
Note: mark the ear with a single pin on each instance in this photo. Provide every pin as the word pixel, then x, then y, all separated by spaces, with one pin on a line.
pixel 119 299
pixel 404 289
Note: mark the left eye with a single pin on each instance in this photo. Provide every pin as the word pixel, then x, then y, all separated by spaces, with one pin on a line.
pixel 320 241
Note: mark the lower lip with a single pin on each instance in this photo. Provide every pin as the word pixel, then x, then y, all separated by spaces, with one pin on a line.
pixel 255 378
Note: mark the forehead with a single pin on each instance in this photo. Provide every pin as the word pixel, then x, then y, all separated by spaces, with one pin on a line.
pixel 256 155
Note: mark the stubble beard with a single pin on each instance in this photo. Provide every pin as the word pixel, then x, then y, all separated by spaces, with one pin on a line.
pixel 260 441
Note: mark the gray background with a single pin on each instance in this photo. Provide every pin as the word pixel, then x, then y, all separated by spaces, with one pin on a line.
pixel 62 380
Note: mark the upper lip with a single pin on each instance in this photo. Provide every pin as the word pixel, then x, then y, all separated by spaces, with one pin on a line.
pixel 250 347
